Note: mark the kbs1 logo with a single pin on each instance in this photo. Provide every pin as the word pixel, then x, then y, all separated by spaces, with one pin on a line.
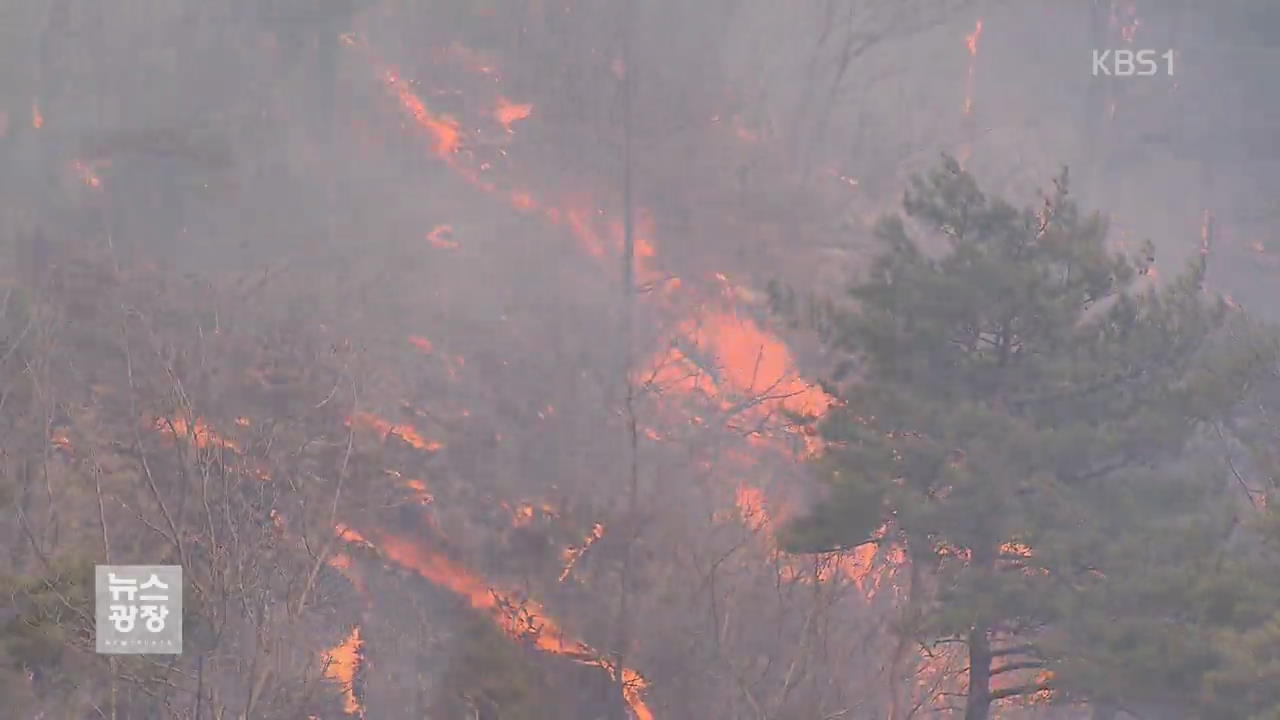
pixel 1130 63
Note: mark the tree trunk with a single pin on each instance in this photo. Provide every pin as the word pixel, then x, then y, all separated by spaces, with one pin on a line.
pixel 978 703
pixel 978 700
pixel 628 299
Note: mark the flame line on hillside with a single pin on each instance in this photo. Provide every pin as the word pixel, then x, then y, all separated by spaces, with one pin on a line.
pixel 447 145
pixel 526 620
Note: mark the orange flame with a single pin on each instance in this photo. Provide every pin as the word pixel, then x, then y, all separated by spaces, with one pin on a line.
pixel 1016 549
pixel 441 236
pixel 37 117
pixel 341 663
pixel 342 563
pixel 525 513
pixel 443 128
pixel 86 174
pixel 200 431
pixel 61 440
pixel 856 565
pixel 420 492
pixel 606 243
pixel 744 359
pixel 971 42
pixel 571 554
pixel 751 505
pixel 447 137
pixel 407 433
pixel 421 343
pixel 524 620
pixel 522 200
pixel 508 112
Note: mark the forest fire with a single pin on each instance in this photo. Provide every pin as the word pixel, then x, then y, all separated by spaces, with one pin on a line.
pixel 443 128
pixel 521 620
pixel 717 353
pixel 855 565
pixel 60 440
pixel 525 513
pixel 522 201
pixel 508 112
pixel 199 432
pixel 472 352
pixel 341 665
pixel 420 491
pixel 571 554
pixel 971 42
pixel 720 354
pixel 605 243
pixel 407 433
pixel 343 564
pixel 441 236
pixel 86 174
pixel 745 360
pixel 583 223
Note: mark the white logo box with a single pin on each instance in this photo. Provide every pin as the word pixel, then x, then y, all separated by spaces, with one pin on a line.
pixel 138 609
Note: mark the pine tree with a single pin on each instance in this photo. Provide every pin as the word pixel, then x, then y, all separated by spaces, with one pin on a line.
pixel 1008 389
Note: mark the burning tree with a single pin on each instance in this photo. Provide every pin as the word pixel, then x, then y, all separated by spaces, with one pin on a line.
pixel 1012 407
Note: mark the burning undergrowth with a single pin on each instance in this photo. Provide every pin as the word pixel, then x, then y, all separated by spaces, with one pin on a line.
pixel 494 412
pixel 405 426
pixel 723 403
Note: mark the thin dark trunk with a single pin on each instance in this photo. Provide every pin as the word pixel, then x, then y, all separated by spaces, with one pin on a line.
pixel 978 703
pixel 978 700
pixel 628 299
pixel 199 685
